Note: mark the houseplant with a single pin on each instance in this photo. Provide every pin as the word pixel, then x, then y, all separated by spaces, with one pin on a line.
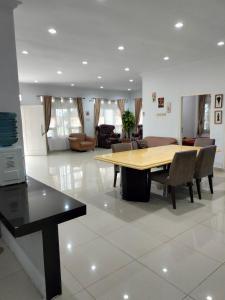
pixel 128 121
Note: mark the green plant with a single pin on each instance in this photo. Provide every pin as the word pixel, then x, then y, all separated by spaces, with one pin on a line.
pixel 128 120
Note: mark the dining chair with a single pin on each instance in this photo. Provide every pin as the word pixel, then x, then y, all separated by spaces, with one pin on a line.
pixel 121 147
pixel 204 142
pixel 181 172
pixel 204 167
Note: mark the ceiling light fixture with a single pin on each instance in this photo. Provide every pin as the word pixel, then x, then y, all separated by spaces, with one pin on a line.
pixel 59 72
pixel 35 81
pixel 166 58
pixel 125 297
pixel 209 298
pixel 220 44
pixel 127 69
pixel 121 48
pixel 131 80
pixel 52 31
pixel 93 267
pixel 165 270
pixel 99 77
pixel 25 52
pixel 72 84
pixel 84 62
pixel 179 25
pixel 129 90
pixel 101 87
pixel 20 97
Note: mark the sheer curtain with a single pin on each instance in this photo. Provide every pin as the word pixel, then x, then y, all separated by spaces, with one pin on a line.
pixel 110 114
pixel 64 120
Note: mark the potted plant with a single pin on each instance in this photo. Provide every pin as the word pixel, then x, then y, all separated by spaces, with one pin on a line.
pixel 128 120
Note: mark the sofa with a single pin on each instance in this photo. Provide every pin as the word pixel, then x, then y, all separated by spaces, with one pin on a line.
pixel 81 142
pixel 106 136
pixel 156 141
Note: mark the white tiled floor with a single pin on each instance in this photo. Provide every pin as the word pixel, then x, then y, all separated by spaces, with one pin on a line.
pixel 124 250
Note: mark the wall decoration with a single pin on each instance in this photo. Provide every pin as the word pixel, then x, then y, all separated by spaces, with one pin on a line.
pixel 87 113
pixel 161 102
pixel 154 96
pixel 218 117
pixel 168 107
pixel 219 101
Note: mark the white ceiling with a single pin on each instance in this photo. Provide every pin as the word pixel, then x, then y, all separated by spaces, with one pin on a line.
pixel 93 29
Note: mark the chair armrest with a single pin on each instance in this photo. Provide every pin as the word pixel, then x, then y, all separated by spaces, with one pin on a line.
pixel 115 135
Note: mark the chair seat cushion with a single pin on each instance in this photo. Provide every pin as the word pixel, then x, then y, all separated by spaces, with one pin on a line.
pixel 160 176
pixel 86 144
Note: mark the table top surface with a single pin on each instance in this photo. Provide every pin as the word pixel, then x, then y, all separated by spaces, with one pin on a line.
pixel 32 206
pixel 143 159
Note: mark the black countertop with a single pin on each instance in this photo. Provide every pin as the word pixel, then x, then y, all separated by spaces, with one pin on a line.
pixel 29 207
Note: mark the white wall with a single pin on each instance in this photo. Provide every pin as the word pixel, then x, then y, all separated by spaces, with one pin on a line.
pixel 9 89
pixel 29 94
pixel 192 79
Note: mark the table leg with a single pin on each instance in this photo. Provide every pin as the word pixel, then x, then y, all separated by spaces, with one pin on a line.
pixel 51 261
pixel 135 184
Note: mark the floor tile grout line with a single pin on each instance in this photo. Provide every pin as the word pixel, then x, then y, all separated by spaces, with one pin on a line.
pixel 214 271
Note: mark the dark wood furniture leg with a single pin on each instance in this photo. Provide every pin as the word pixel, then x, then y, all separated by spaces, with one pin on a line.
pixel 190 185
pixel 135 184
pixel 211 183
pixel 198 184
pixel 51 261
pixel 173 196
pixel 115 177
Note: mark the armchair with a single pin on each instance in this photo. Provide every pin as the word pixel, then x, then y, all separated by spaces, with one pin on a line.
pixel 81 142
pixel 106 136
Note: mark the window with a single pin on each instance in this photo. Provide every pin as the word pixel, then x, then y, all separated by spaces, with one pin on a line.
pixel 110 114
pixel 207 118
pixel 64 118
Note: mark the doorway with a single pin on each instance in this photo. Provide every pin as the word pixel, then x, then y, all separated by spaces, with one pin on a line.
pixel 195 117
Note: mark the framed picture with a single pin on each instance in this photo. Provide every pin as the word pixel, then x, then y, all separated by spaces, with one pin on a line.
pixel 154 96
pixel 161 102
pixel 218 117
pixel 219 101
pixel 168 107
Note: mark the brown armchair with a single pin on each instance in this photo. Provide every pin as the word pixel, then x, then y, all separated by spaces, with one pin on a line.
pixel 106 136
pixel 81 142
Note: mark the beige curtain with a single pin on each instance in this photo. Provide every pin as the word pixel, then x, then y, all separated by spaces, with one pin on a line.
pixel 47 103
pixel 80 110
pixel 97 108
pixel 121 105
pixel 138 107
pixel 201 114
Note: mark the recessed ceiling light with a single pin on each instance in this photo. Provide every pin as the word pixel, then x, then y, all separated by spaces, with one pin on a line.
pixel 93 267
pixel 69 246
pixel 52 31
pixel 20 97
pixel 209 298
pixel 35 81
pixel 220 44
pixel 131 80
pixel 121 48
pixel 84 62
pixel 127 69
pixel 99 77
pixel 72 84
pixel 165 270
pixel 59 72
pixel 179 25
pixel 101 87
pixel 166 58
pixel 25 52
pixel 129 90
pixel 125 297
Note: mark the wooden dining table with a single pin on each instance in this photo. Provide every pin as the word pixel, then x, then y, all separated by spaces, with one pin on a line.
pixel 136 168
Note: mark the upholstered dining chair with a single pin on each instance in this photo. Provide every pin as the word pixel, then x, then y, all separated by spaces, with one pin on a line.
pixel 119 148
pixel 204 142
pixel 181 172
pixel 204 167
